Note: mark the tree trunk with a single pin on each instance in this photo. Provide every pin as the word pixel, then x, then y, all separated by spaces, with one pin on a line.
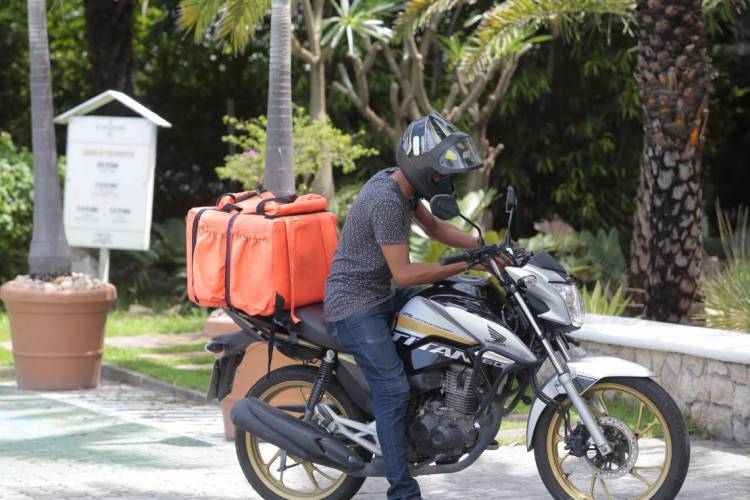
pixel 49 254
pixel 640 244
pixel 674 73
pixel 109 31
pixel 279 167
pixel 323 183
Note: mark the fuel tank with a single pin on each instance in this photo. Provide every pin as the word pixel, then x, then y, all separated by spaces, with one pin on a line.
pixel 454 315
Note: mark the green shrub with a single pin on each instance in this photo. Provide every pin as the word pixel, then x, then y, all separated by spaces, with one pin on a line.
pixel 727 293
pixel 159 271
pixel 590 257
pixel 602 301
pixel 314 141
pixel 423 249
pixel 727 298
pixel 16 206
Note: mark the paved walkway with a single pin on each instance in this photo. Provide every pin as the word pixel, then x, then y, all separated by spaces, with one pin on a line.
pixel 124 442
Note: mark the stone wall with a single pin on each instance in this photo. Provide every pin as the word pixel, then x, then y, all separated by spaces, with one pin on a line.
pixel 715 394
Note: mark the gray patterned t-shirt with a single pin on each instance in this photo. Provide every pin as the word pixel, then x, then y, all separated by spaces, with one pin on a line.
pixel 360 277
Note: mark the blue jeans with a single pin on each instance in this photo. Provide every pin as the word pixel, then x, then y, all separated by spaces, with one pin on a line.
pixel 366 336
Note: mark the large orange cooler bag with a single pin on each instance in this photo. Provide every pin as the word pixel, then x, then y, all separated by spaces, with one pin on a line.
pixel 247 253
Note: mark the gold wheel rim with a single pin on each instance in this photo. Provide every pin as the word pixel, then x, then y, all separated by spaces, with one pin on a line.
pixel 315 475
pixel 597 487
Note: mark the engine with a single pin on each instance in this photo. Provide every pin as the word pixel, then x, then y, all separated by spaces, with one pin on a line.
pixel 443 427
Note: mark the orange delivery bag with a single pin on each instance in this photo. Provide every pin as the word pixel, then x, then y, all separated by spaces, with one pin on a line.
pixel 253 249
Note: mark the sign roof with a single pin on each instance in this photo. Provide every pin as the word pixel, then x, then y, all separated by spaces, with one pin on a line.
pixel 107 97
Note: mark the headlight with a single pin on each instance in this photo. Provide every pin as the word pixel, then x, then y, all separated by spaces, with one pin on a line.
pixel 573 300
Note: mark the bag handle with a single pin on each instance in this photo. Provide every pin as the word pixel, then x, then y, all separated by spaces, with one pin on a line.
pixel 246 196
pixel 261 208
pixel 230 207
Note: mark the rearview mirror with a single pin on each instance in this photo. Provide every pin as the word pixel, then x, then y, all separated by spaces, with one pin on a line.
pixel 510 199
pixel 444 206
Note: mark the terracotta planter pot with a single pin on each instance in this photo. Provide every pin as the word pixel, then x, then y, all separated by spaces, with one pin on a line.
pixel 57 337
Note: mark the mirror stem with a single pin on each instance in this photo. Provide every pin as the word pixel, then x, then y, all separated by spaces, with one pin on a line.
pixel 479 230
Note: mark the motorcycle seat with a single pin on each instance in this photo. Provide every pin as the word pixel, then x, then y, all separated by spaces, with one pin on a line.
pixel 313 327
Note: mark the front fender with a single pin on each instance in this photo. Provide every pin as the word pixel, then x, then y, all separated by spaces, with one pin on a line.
pixel 586 372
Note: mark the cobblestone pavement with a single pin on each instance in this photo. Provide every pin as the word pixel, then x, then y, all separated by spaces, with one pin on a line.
pixel 124 442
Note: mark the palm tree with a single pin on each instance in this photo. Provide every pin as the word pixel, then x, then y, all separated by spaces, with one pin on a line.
pixel 49 254
pixel 673 74
pixel 236 20
pixel 278 175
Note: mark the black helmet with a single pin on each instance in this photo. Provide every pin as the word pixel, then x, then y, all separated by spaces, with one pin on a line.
pixel 432 144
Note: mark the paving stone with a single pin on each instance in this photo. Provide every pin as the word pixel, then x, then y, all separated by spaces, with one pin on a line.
pixel 122 442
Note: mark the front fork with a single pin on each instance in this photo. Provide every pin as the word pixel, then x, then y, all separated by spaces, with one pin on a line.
pixel 566 380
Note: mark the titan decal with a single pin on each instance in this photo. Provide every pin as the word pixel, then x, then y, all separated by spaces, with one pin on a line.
pixel 434 348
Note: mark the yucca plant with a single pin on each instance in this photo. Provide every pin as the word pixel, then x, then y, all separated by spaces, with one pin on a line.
pixel 727 294
pixel 601 300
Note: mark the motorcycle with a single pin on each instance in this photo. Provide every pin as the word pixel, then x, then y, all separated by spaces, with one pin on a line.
pixel 472 348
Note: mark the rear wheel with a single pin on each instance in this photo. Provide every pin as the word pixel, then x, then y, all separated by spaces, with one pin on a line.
pixel 288 388
pixel 646 430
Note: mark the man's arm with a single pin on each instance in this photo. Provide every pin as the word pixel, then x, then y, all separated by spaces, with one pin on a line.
pixel 407 273
pixel 442 231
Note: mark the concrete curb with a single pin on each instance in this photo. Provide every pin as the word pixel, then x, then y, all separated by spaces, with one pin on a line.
pixel 118 374
pixel 7 371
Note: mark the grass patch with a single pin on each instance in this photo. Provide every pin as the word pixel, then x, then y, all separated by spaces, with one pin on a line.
pixel 121 323
pixel 6 357
pixel 180 348
pixel 165 370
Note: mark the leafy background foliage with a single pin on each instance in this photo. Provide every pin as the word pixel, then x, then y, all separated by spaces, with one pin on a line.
pixel 314 140
pixel 570 122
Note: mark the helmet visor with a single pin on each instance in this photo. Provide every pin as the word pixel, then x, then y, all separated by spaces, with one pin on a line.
pixel 460 157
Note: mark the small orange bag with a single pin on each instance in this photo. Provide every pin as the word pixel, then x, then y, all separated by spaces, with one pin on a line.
pixel 246 260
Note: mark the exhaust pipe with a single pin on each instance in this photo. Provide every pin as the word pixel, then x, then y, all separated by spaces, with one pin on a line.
pixel 305 440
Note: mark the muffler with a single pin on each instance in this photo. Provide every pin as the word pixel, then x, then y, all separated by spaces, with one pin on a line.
pixel 305 440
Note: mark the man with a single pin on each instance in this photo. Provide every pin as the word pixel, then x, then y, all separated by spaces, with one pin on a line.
pixel 373 249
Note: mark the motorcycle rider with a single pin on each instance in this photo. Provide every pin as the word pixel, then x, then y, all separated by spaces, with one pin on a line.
pixel 372 250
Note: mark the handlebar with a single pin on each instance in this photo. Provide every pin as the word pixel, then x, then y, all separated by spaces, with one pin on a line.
pixel 516 256
pixel 447 260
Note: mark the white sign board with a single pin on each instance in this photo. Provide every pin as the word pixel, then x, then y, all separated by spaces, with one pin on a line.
pixel 109 182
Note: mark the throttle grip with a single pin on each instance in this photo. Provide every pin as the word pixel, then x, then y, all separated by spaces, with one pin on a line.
pixel 453 259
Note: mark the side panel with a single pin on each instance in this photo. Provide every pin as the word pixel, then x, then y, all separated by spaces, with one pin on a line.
pixel 586 372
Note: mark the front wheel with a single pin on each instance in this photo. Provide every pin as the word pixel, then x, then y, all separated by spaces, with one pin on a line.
pixel 646 430
pixel 278 476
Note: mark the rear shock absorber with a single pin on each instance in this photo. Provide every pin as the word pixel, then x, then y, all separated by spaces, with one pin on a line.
pixel 321 383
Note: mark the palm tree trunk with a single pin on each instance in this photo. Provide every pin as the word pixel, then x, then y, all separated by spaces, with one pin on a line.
pixel 323 183
pixel 279 167
pixel 640 244
pixel 109 31
pixel 49 254
pixel 674 76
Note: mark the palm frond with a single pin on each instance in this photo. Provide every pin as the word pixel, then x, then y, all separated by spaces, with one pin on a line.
pixel 514 21
pixel 230 21
pixel 417 13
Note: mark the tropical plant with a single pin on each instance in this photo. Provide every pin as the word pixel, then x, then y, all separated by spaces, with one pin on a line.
pixel 49 253
pixel 426 31
pixel 315 142
pixel 727 294
pixel 734 241
pixel 236 20
pixel 16 187
pixel 472 204
pixel 590 257
pixel 727 299
pixel 158 271
pixel 600 300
